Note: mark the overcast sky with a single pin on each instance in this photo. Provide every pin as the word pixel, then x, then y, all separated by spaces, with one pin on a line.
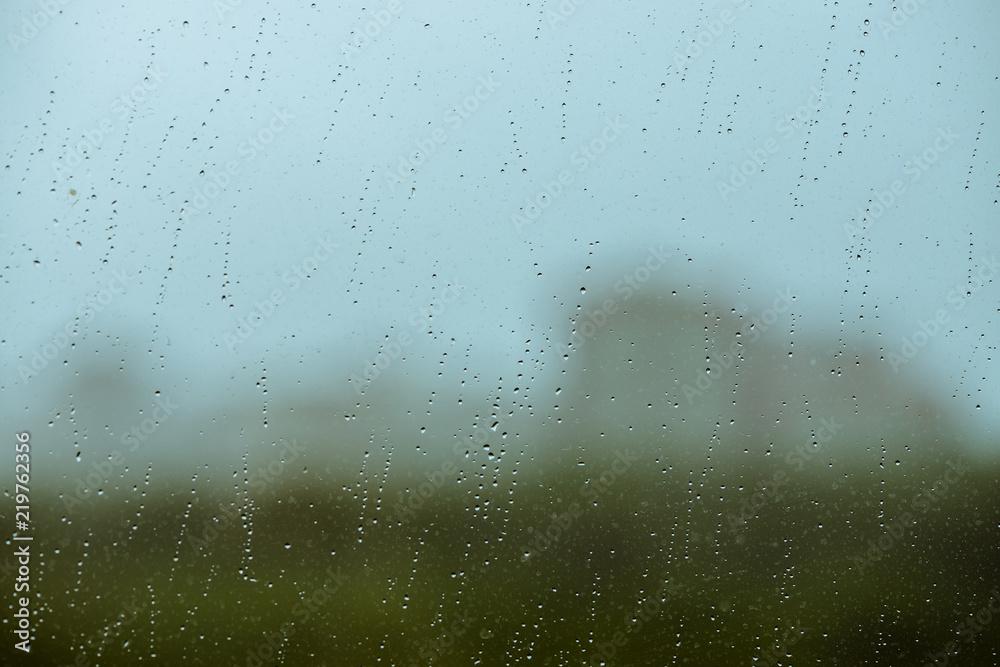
pixel 232 154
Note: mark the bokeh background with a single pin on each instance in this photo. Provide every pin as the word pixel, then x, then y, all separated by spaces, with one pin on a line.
pixel 564 333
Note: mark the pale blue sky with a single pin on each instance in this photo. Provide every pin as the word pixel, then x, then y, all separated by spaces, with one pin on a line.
pixel 348 122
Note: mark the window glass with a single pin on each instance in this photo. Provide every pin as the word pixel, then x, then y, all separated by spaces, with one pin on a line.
pixel 558 333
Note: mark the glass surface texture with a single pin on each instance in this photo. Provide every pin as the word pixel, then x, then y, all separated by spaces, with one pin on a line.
pixel 556 333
